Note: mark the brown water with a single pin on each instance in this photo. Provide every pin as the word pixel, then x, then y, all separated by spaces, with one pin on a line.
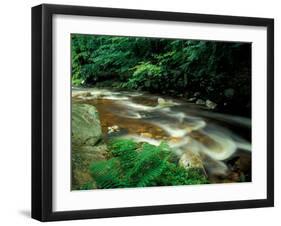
pixel 219 143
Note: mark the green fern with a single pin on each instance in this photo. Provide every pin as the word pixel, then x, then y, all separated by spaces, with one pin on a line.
pixel 150 163
pixel 107 173
pixel 141 165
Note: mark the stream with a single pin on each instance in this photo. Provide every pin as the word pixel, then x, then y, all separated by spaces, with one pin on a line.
pixel 218 143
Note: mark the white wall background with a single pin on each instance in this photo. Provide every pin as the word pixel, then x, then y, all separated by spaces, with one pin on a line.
pixel 15 120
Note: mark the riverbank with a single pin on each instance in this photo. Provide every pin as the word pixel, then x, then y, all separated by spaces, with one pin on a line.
pixel 225 103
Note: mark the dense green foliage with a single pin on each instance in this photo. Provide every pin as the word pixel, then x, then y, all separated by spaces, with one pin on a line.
pixel 219 71
pixel 141 165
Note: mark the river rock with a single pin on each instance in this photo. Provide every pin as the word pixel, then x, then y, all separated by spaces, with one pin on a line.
pixel 148 135
pixel 81 94
pixel 200 102
pixel 81 159
pixel 210 104
pixel 165 103
pixel 82 97
pixel 216 168
pixel 192 99
pixel 87 144
pixel 112 129
pixel 191 159
pixel 86 127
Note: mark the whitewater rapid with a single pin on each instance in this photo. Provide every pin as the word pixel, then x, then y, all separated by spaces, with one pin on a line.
pixel 190 130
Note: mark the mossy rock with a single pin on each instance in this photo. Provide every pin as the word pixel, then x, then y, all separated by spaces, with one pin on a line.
pixel 86 127
pixel 87 144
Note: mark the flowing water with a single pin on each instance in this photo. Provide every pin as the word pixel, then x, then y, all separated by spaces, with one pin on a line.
pixel 218 143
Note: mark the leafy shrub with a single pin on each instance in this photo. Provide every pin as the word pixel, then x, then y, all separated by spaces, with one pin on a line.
pixel 141 165
pixel 166 65
pixel 146 76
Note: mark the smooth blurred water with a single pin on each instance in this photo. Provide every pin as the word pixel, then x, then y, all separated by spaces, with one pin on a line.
pixel 186 127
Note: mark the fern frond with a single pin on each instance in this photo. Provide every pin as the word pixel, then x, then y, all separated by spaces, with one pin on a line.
pixel 141 165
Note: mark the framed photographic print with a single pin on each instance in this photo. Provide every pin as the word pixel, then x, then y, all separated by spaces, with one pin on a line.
pixel 145 112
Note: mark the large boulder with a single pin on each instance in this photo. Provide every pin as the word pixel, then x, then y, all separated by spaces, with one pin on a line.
pixel 86 128
pixel 82 157
pixel 87 144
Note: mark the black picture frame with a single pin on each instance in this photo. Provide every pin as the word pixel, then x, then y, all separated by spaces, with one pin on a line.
pixel 42 111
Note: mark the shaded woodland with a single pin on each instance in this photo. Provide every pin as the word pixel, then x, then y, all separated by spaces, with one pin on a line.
pixel 216 71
